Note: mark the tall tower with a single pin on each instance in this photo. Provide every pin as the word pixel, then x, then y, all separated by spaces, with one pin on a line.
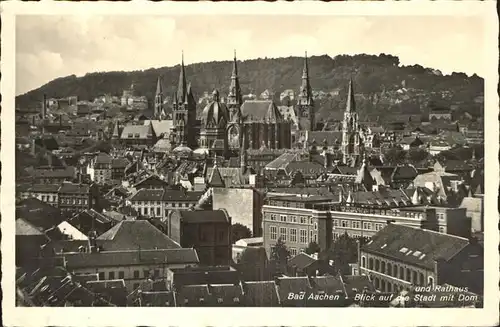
pixel 158 113
pixel 351 143
pixel 305 102
pixel 234 97
pixel 184 113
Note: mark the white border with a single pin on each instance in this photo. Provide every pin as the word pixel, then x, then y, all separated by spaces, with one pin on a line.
pixel 251 316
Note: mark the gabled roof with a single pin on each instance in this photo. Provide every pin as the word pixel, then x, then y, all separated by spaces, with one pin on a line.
pixel 135 234
pixel 260 294
pixel 140 132
pixel 215 178
pixel 260 111
pixel 415 246
pixel 301 261
pixel 24 228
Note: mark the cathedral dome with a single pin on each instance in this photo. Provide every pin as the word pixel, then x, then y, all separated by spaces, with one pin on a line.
pixel 215 113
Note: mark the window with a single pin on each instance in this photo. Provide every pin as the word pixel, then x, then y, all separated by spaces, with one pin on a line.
pixel 273 216
pixel 101 276
pixel 283 233
pixel 367 226
pixel 303 220
pixel 158 211
pixel 355 224
pixel 146 273
pixel 111 275
pixel 363 261
pixel 274 233
pixel 283 218
pixel 121 275
pixel 293 251
pixel 378 227
pixel 293 219
pixel 146 210
pixel 440 216
pixel 441 229
pixel 335 223
pixel 430 281
pixel 293 235
pixel 136 274
pixel 344 223
pixel 303 236
pixel 315 226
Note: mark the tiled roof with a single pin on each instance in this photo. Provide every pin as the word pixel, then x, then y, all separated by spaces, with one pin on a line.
pixel 137 132
pixel 261 294
pixel 148 195
pixel 307 168
pixel 301 261
pixel 158 299
pixel 73 188
pixel 67 172
pixel 103 159
pixel 24 228
pixel 415 246
pixel 201 216
pixel 282 161
pixel 230 176
pixel 119 163
pixel 47 188
pixel 162 145
pixel 384 196
pixel 135 234
pixel 227 294
pixel 193 295
pixel 131 258
pixel 404 172
pixel 320 138
pixel 161 127
pixel 260 111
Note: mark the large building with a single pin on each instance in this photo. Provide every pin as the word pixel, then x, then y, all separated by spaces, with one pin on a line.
pixel 399 257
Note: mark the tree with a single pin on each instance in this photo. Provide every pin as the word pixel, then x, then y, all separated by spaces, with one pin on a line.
pixel 344 251
pixel 280 252
pixel 239 231
pixel 395 155
pixel 417 155
pixel 312 248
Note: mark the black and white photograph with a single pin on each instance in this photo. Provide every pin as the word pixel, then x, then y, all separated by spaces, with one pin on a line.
pixel 236 160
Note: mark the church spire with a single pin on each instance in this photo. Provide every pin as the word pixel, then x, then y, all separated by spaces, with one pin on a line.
pixel 351 103
pixel 182 88
pixel 234 96
pixel 159 89
pixel 305 88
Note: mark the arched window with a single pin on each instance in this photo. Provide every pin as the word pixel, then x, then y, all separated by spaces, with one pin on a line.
pixel 370 263
pixel 389 269
pixel 408 275
pixel 395 271
pixel 382 285
pixel 363 261
pixel 430 281
pixel 401 273
pixel 382 267
pixel 414 279
pixel 421 279
pixel 377 265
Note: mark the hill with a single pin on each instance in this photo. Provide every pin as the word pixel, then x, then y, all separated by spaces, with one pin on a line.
pixel 383 87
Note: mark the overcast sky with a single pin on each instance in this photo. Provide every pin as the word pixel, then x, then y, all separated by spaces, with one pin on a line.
pixel 48 47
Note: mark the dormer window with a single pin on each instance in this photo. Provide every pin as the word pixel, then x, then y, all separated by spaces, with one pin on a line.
pixel 219 300
pixel 236 300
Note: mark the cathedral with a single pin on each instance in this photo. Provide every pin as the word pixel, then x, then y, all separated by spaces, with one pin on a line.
pixel 253 124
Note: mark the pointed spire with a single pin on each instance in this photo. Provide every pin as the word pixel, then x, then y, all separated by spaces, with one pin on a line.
pixel 235 96
pixel 305 88
pixel 182 87
pixel 159 89
pixel 116 131
pixel 351 103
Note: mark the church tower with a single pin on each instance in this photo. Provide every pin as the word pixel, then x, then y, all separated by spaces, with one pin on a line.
pixel 305 102
pixel 234 97
pixel 183 113
pixel 351 143
pixel 234 102
pixel 159 112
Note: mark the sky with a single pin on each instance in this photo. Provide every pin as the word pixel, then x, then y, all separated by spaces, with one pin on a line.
pixel 51 46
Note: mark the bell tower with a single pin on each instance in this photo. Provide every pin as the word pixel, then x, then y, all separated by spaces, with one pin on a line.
pixel 351 140
pixel 305 101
